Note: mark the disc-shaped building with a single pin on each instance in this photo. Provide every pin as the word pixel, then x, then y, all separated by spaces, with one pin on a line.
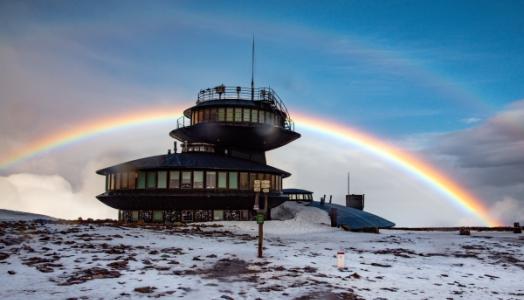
pixel 224 140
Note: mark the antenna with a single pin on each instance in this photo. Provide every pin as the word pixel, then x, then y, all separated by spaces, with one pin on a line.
pixel 253 69
pixel 349 183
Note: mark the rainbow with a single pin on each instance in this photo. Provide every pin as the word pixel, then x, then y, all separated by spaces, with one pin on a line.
pixel 406 161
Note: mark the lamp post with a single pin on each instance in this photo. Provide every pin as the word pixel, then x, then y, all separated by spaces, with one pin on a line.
pixel 261 185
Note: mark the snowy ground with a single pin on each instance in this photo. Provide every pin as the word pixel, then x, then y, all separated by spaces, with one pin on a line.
pixel 48 260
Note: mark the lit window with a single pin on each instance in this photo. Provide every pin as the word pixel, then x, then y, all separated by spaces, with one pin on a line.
pixel 186 180
pixel 211 180
pixel 174 179
pixel 132 180
pixel 141 180
pixel 238 114
pixel 162 180
pixel 245 115
pixel 151 180
pixel 117 181
pixel 229 114
pixel 222 180
pixel 254 115
pixel 244 181
pixel 221 114
pixel 198 179
pixel 292 196
pixel 300 196
pixel 233 180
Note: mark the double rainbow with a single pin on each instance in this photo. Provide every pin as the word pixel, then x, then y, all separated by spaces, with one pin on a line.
pixel 406 161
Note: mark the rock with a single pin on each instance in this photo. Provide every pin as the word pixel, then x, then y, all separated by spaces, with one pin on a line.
pixel 145 289
pixel 11 272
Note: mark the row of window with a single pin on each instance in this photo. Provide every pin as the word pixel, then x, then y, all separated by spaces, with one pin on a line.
pixel 173 216
pixel 177 179
pixel 305 197
pixel 235 114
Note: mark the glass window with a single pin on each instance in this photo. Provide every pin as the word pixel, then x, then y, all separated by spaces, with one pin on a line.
pixel 123 177
pixel 269 117
pixel 260 116
pixel 300 196
pixel 254 115
pixel 151 180
pixel 117 178
pixel 134 215
pixel 252 177
pixel 111 181
pixel 222 180
pixel 246 114
pixel 218 215
pixel 200 116
pixel 292 196
pixel 132 180
pixel 213 114
pixel 107 181
pixel 141 180
pixel 238 114
pixel 206 115
pixel 198 179
pixel 158 216
pixel 260 176
pixel 279 183
pixel 273 182
pixel 193 118
pixel 174 179
pixel 233 180
pixel 229 114
pixel 221 114
pixel 244 181
pixel 162 180
pixel 186 179
pixel 211 180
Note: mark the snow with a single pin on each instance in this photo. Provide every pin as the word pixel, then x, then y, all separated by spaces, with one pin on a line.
pixel 13 215
pixel 218 260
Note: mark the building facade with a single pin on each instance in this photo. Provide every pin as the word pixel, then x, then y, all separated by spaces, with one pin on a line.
pixel 224 138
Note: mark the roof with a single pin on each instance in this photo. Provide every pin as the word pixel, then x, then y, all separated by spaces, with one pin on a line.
pixel 354 218
pixel 296 191
pixel 193 160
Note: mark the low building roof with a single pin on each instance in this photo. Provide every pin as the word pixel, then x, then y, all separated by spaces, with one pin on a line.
pixel 355 219
pixel 193 161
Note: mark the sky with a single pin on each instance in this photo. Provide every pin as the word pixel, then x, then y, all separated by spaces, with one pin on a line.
pixel 440 79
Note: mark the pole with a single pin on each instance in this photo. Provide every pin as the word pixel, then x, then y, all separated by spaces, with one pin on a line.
pixel 260 239
pixel 253 69
pixel 349 183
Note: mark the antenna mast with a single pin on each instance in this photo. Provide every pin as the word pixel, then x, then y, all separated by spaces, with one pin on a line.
pixel 349 182
pixel 253 69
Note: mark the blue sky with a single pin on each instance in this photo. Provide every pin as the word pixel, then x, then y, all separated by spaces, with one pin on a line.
pixel 392 67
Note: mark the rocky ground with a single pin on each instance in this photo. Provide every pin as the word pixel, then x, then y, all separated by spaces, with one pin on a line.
pixel 95 260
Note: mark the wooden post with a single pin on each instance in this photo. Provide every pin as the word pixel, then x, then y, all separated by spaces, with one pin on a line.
pixel 260 238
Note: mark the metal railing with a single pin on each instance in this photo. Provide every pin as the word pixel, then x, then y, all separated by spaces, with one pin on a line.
pixel 183 121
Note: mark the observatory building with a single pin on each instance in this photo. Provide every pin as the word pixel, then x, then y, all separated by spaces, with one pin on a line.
pixel 224 137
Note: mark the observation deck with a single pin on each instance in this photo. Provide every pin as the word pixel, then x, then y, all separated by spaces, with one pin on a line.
pixel 239 117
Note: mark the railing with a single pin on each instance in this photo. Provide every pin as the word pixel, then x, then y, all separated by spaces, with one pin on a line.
pixel 265 94
pixel 183 121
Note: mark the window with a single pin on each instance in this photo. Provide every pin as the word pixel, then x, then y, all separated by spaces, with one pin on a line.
pixel 300 196
pixel 252 177
pixel 244 181
pixel 273 182
pixel 292 196
pixel 141 180
pixel 269 117
pixel 221 114
pixel 245 115
pixel 238 114
pixel 158 215
pixel 186 179
pixel 260 176
pixel 111 181
pixel 132 180
pixel 187 215
pixel 213 114
pixel 134 215
pixel 206 115
pixel 211 180
pixel 117 183
pixel 200 116
pixel 198 179
pixel 233 180
pixel 279 183
pixel 124 180
pixel 229 114
pixel 260 116
pixel 162 180
pixel 222 180
pixel 151 180
pixel 193 118
pixel 174 179
pixel 254 115
pixel 107 182
pixel 218 215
